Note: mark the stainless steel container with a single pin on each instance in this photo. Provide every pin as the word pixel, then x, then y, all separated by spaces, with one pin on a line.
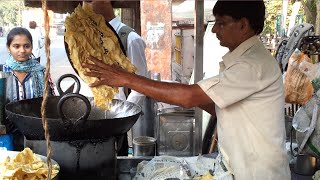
pixel 5 92
pixel 145 120
pixel 175 128
pixel 305 165
pixel 156 76
pixel 144 146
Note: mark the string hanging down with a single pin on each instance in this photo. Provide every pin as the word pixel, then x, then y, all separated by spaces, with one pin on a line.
pixel 46 92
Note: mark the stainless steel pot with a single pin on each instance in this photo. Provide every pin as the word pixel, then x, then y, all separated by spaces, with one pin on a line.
pixel 305 165
pixel 144 146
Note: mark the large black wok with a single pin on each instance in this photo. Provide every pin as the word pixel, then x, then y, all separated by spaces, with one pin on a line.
pixel 70 118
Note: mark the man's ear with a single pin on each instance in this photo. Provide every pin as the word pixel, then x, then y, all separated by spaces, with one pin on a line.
pixel 245 26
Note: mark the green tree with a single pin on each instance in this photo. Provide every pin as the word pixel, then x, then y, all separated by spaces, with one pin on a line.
pixel 311 9
pixel 273 8
pixel 10 11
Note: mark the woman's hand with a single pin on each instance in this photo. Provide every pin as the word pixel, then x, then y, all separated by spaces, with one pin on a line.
pixel 107 74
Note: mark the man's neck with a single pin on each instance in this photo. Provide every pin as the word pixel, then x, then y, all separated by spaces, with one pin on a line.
pixel 108 15
pixel 107 11
pixel 103 8
pixel 242 39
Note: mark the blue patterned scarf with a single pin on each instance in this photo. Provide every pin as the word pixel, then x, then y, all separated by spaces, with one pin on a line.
pixel 35 69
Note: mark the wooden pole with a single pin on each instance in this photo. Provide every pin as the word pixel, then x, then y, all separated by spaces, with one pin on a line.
pixel 214 141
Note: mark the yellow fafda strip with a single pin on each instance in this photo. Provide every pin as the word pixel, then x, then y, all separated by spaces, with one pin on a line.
pixel 87 34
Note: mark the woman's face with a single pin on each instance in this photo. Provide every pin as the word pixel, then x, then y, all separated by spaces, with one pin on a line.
pixel 20 48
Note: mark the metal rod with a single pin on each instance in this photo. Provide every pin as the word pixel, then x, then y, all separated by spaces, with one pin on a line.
pixel 198 69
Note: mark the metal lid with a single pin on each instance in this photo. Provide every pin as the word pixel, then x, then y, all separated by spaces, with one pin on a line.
pixel 144 140
pixel 176 111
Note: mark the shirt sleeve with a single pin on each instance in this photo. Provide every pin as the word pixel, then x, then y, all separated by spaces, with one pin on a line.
pixel 232 85
pixel 136 53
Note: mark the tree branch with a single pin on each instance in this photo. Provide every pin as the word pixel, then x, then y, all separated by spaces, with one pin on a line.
pixel 310 15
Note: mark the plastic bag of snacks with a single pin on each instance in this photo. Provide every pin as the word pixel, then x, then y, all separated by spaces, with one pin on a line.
pixel 166 167
pixel 298 87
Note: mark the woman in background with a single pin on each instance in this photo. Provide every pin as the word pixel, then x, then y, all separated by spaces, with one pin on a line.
pixel 27 71
pixel 28 75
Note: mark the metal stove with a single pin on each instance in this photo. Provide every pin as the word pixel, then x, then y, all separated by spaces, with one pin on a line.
pixel 81 159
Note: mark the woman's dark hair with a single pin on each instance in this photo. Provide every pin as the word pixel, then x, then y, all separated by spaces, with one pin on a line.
pixel 253 10
pixel 18 31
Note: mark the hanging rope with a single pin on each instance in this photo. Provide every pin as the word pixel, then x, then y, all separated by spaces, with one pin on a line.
pixel 46 87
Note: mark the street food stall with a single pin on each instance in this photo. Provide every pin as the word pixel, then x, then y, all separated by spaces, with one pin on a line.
pixel 82 136
pixel 82 140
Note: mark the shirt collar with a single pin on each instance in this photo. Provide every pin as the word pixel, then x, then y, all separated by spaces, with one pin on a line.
pixel 115 23
pixel 230 57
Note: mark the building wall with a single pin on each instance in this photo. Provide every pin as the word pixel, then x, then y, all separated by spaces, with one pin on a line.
pixel 183 44
pixel 156 31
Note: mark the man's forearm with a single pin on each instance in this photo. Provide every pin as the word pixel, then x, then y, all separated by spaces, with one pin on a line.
pixel 160 91
pixel 210 108
pixel 173 93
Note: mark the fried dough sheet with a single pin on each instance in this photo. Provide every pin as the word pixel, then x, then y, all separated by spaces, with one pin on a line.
pixel 25 165
pixel 87 34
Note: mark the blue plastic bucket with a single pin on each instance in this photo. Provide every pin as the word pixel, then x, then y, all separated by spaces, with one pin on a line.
pixel 6 141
